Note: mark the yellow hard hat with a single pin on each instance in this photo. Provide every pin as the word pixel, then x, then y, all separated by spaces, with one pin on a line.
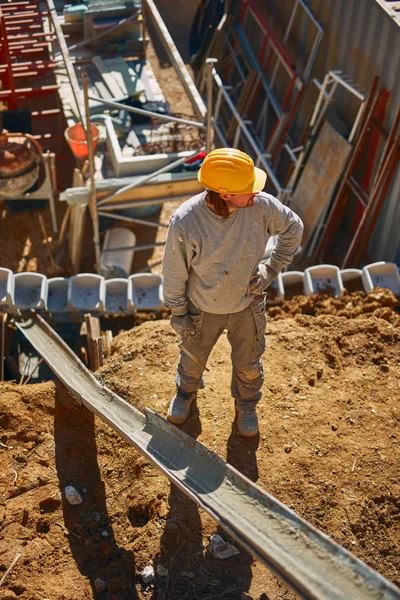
pixel 231 171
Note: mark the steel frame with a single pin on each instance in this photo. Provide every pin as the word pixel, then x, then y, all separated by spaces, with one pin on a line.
pixel 332 80
pixel 273 56
pixel 375 108
pixel 242 133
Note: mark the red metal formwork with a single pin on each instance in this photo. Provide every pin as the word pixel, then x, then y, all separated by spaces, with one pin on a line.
pixel 25 58
pixel 288 87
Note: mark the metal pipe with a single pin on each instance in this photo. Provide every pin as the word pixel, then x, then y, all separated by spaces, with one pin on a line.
pixel 138 203
pixel 136 248
pixel 247 133
pixel 210 62
pixel 132 220
pixel 347 85
pixel 149 267
pixel 147 178
pixel 52 201
pixel 147 113
pixel 92 197
pixel 102 33
pixel 357 121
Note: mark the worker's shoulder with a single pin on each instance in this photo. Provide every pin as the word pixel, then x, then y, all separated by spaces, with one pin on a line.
pixel 188 209
pixel 267 201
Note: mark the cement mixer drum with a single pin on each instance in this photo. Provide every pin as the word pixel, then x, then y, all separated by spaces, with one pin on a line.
pixel 20 157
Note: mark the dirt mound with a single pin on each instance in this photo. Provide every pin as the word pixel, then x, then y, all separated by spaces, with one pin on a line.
pixel 328 448
pixel 380 303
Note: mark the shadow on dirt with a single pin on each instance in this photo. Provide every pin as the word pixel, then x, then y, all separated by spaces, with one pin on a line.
pixel 92 543
pixel 192 571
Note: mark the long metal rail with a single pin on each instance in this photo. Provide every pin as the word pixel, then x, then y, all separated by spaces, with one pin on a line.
pixel 307 560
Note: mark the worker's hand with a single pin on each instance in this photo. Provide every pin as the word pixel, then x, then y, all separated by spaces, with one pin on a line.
pixel 183 325
pixel 261 279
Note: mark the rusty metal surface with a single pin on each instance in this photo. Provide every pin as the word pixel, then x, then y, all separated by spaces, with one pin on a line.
pixel 303 557
pixel 19 165
pixel 16 157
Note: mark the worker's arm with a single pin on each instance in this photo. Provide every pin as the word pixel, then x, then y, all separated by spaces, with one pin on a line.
pixel 176 265
pixel 288 226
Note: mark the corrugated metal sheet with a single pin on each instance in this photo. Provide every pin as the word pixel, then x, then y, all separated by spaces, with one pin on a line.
pixel 392 8
pixel 361 39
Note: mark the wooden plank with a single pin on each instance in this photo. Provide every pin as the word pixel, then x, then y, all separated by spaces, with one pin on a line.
pixel 127 79
pixel 97 84
pixel 109 79
pixel 152 89
pixel 107 342
pixel 93 333
pixel 319 178
pixel 77 226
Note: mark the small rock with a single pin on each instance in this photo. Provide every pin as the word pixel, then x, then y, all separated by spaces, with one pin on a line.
pixel 162 571
pixel 96 517
pixel 320 372
pixel 187 574
pixel 72 495
pixel 334 427
pixel 311 381
pixel 99 584
pixel 104 534
pixel 221 549
pixel 147 574
pixel 288 449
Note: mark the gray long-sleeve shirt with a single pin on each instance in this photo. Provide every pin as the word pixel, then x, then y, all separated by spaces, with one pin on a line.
pixel 211 260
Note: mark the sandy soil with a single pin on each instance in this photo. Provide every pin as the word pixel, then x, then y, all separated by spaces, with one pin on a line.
pixel 328 448
pixel 328 444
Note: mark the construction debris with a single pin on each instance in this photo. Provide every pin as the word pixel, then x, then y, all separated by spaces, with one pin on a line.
pixel 147 575
pixel 221 549
pixel 72 495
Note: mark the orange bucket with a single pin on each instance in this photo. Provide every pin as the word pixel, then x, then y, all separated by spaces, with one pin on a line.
pixel 76 138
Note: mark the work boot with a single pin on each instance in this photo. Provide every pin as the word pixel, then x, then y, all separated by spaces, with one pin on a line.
pixel 179 409
pixel 246 418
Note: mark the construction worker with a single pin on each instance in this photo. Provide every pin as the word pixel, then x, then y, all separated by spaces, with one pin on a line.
pixel 215 277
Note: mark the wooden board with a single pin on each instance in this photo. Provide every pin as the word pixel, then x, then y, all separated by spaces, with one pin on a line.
pixel 319 178
pixel 109 79
pixel 126 77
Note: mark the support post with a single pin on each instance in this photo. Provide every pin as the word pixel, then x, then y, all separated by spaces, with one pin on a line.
pixel 77 224
pixel 3 317
pixel 92 198
pixel 210 64
pixel 52 198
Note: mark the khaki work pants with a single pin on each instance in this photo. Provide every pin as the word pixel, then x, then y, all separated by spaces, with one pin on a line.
pixel 246 335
